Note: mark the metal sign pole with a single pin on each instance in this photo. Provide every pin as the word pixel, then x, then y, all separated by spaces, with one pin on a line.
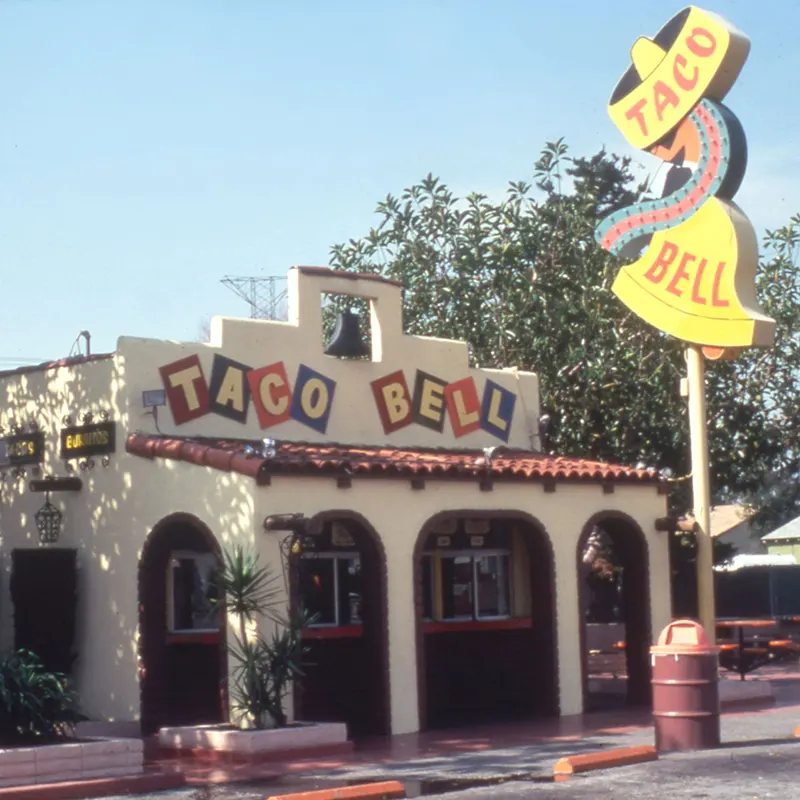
pixel 701 494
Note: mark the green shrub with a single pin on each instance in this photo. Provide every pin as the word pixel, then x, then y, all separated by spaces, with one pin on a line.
pixel 35 705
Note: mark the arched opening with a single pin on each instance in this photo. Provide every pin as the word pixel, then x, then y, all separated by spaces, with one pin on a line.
pixel 614 585
pixel 182 655
pixel 485 600
pixel 339 576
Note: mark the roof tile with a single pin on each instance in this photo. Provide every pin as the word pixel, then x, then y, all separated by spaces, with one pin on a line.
pixel 247 457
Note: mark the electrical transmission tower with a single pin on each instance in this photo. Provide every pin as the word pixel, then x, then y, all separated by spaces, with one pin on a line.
pixel 265 296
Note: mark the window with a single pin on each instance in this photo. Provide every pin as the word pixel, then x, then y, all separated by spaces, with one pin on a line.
pixel 458 597
pixel 474 585
pixel 330 588
pixel 191 593
pixel 492 584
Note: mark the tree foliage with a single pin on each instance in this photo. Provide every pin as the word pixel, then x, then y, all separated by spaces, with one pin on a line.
pixel 523 282
pixel 36 706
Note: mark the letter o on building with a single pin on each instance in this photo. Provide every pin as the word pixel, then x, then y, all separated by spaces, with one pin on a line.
pixel 314 398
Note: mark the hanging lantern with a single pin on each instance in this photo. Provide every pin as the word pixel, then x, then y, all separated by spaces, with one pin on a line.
pixel 48 522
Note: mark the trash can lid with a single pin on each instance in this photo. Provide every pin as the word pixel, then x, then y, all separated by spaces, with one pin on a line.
pixel 683 636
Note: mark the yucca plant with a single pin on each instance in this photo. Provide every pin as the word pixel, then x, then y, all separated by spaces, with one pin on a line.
pixel 35 705
pixel 250 590
pixel 265 667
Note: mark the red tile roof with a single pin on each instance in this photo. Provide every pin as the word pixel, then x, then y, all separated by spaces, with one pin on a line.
pixel 301 458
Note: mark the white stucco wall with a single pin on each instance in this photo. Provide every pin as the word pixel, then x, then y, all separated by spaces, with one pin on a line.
pixel 398 513
pixel 354 416
pixel 44 397
pixel 107 522
pixel 109 519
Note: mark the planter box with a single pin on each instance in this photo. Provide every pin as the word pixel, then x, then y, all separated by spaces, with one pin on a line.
pixel 71 761
pixel 253 744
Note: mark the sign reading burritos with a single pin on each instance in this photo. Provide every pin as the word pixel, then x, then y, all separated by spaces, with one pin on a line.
pixel 88 440
pixel 694 251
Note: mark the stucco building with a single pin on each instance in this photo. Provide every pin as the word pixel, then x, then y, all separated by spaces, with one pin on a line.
pixel 444 556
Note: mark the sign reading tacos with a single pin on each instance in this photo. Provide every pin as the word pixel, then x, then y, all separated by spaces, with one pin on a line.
pixel 24 448
pixel 429 401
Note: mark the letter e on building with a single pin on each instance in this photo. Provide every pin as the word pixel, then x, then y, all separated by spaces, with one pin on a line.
pixel 429 403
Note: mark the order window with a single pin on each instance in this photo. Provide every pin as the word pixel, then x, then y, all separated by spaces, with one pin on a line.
pixel 473 585
pixel 331 588
pixel 192 593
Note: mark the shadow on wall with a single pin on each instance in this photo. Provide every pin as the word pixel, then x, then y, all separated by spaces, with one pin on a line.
pixel 107 521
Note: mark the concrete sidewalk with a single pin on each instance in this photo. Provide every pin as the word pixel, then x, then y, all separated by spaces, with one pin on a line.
pixel 759 759
pixel 766 727
pixel 522 755
pixel 514 761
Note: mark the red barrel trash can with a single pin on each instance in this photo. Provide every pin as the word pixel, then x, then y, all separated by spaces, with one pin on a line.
pixel 685 679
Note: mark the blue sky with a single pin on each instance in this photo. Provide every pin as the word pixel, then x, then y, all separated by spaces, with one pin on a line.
pixel 149 147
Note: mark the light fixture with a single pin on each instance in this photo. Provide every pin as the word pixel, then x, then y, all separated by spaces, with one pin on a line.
pixel 153 399
pixel 297 523
pixel 48 522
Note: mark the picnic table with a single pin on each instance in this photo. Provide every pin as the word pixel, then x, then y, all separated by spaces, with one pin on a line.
pixel 749 651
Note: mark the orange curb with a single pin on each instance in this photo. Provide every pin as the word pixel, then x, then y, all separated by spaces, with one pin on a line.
pixel 376 791
pixel 604 759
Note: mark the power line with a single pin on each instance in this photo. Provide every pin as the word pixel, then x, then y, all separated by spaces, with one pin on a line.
pixel 263 294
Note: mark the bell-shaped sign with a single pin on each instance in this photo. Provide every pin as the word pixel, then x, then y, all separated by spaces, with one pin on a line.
pixel 694 251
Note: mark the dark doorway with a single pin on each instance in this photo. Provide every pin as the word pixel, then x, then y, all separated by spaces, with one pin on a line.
pixel 486 632
pixel 183 664
pixel 615 608
pixel 44 591
pixel 339 576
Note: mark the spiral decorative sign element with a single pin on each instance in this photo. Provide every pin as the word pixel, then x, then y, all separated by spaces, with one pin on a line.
pixel 695 252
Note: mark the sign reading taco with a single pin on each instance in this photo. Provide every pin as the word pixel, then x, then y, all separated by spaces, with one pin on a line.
pixel 694 251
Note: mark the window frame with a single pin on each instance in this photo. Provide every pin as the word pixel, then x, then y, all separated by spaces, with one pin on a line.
pixel 196 556
pixel 335 556
pixel 473 554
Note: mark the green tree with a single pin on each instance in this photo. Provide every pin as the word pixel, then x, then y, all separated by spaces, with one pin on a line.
pixel 756 403
pixel 523 282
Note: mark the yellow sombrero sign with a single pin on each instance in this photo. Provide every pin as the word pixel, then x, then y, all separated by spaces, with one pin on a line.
pixel 695 252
